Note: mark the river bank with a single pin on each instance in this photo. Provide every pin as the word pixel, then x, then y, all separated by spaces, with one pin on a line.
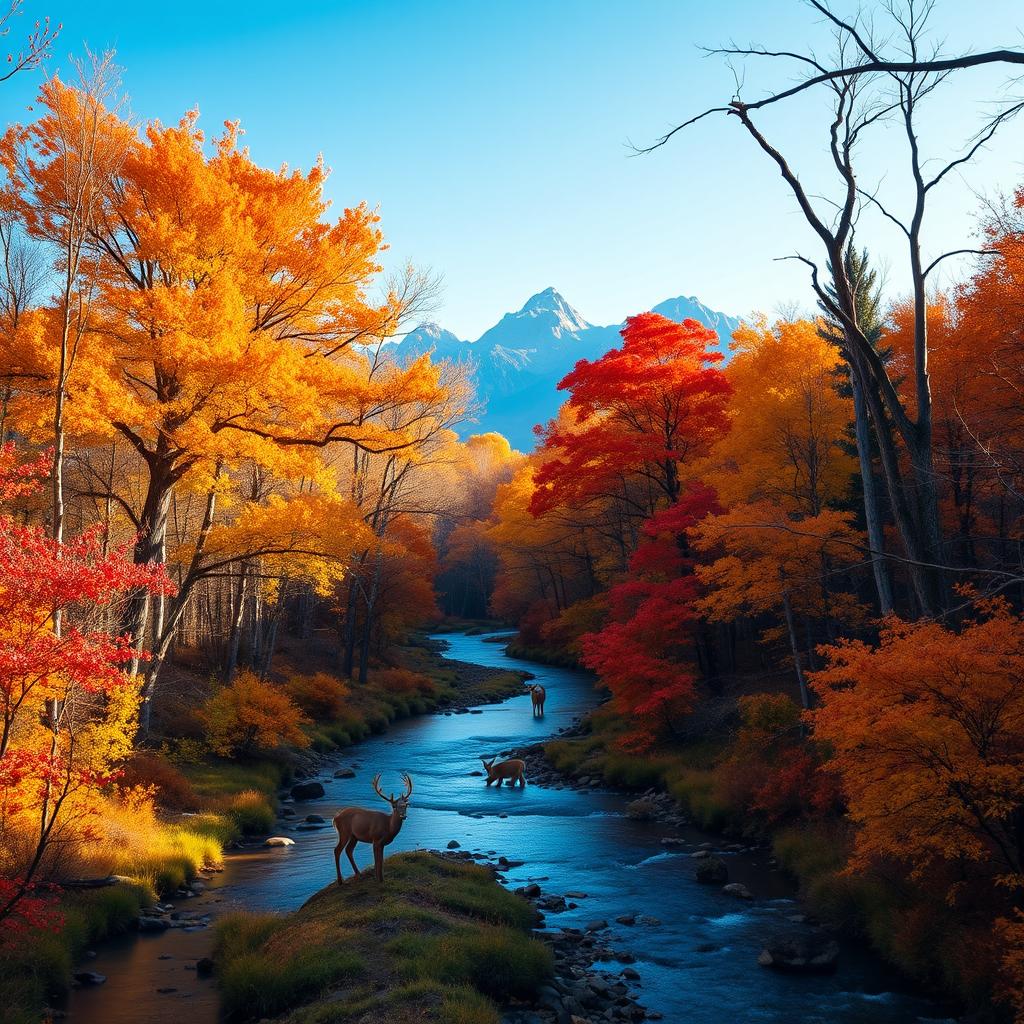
pixel 697 963
pixel 681 788
pixel 160 880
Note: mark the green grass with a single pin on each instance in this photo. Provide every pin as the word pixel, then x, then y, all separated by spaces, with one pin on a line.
pixel 218 777
pixel 38 966
pixel 437 942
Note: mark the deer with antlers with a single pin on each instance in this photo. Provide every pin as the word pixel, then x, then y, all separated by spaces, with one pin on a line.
pixel 358 825
pixel 538 695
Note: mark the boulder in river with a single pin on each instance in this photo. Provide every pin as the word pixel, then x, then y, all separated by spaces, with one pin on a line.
pixel 642 810
pixel 813 954
pixel 89 978
pixel 278 841
pixel 739 890
pixel 307 790
pixel 345 773
pixel 453 844
pixel 712 871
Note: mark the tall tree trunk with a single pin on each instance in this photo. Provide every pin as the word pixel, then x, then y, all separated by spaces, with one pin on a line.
pixel 872 514
pixel 235 636
pixel 794 646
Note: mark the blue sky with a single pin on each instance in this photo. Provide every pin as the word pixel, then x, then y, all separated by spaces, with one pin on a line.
pixel 493 135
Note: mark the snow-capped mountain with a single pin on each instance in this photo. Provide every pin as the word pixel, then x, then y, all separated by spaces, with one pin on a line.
pixel 520 360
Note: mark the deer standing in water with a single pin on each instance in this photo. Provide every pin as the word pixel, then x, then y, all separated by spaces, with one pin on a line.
pixel 358 825
pixel 537 695
pixel 512 770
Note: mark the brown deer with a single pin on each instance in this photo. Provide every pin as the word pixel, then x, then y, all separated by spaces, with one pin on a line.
pixel 537 695
pixel 512 770
pixel 358 825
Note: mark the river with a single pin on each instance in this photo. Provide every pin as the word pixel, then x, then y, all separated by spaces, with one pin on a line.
pixel 698 965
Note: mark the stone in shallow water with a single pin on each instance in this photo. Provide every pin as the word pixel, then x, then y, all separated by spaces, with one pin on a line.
pixel 90 978
pixel 278 841
pixel 810 955
pixel 712 871
pixel 307 790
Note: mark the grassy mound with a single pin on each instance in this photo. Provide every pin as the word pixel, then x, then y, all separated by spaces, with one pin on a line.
pixel 439 941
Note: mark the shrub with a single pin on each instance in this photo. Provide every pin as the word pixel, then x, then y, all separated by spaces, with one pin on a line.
pixel 404 682
pixel 251 812
pixel 320 696
pixel 251 715
pixel 173 789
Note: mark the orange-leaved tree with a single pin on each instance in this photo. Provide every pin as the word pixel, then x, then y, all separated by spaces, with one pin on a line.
pixel 226 325
pixel 927 734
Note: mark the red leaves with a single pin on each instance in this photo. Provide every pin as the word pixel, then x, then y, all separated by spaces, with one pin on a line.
pixel 642 408
pixel 41 765
pixel 644 654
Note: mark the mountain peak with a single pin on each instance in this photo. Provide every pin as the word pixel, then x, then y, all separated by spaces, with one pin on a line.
pixel 551 306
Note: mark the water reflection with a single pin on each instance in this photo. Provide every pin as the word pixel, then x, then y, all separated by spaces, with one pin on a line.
pixel 697 964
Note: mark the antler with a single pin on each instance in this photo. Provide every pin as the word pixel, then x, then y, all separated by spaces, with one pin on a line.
pixel 377 789
pixel 408 785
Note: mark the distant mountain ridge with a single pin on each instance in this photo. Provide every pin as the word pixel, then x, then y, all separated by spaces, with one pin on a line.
pixel 520 360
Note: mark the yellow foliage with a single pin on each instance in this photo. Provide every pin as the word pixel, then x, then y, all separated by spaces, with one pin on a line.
pixel 252 714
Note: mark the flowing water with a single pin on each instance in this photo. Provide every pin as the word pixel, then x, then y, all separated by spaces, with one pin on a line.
pixel 698 965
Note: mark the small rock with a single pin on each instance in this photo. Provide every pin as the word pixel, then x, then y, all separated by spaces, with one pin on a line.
pixel 651 922
pixel 166 991
pixel 627 919
pixel 739 890
pixel 152 924
pixel 345 773
pixel 631 973
pixel 204 967
pixel 531 891
pixel 307 790
pixel 712 871
pixel 575 895
pixel 453 844
pixel 278 841
pixel 700 854
pixel 596 926
pixel 90 978
pixel 672 842
pixel 316 819
pixel 810 955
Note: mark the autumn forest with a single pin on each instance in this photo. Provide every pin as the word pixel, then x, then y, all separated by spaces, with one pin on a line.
pixel 237 527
